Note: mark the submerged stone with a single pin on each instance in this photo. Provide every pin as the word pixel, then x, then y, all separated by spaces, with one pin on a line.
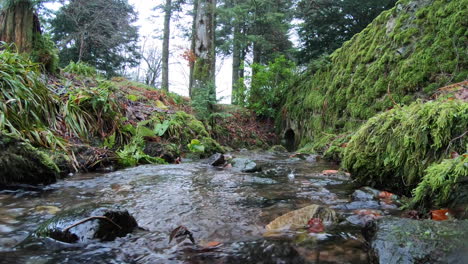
pixel 87 223
pixel 278 148
pixel 217 159
pixel 402 240
pixel 245 165
pixel 21 163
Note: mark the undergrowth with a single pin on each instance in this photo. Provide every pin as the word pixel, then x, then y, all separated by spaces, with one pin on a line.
pixel 28 108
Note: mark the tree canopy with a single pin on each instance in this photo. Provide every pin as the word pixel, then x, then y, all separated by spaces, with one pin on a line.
pixel 328 23
pixel 99 32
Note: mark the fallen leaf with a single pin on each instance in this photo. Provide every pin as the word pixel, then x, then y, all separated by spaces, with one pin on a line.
pixel 367 212
pixel 47 209
pixel 315 225
pixel 439 215
pixel 327 172
pixel 299 218
pixel 211 244
pixel 344 145
pixel 385 195
pixel 180 233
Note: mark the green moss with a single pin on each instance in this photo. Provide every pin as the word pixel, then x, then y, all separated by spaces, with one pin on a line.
pixel 185 127
pixel 45 53
pixel 337 148
pixel 393 149
pixel 404 54
pixel 444 184
pixel 22 163
pixel 211 146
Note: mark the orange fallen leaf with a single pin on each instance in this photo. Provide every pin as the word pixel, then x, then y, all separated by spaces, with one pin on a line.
pixel 367 212
pixel 385 195
pixel 439 215
pixel 344 145
pixel 327 172
pixel 212 244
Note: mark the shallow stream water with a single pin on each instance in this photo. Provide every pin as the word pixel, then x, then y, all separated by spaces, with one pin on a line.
pixel 225 210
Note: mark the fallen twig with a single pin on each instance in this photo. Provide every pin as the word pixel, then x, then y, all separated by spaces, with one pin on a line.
pixel 90 219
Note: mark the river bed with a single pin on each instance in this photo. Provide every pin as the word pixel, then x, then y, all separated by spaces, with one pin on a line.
pixel 226 211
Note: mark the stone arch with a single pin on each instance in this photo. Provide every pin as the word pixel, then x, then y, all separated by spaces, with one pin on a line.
pixel 289 140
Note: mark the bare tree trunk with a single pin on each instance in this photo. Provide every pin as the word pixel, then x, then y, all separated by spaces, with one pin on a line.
pixel 204 70
pixel 82 46
pixel 18 24
pixel 192 45
pixel 236 62
pixel 165 51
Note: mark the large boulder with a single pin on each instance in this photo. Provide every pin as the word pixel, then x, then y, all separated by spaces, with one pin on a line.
pixel 21 163
pixel 403 240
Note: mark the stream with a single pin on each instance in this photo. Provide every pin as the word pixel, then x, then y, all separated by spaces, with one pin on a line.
pixel 225 210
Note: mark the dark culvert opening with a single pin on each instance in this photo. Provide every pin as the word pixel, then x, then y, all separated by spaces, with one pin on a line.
pixel 289 140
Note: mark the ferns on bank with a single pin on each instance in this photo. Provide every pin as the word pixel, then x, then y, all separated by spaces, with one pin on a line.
pixel 27 108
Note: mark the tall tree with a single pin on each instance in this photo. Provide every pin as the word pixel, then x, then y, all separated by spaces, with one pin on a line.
pixel 165 53
pixel 204 50
pixel 203 90
pixel 258 27
pixel 99 32
pixel 327 24
pixel 19 23
pixel 191 54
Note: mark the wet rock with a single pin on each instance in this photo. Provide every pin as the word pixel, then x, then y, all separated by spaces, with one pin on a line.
pixel 278 148
pixel 217 160
pixel 245 165
pixel 87 223
pixel 21 163
pixel 403 240
pixel 168 152
pixel 360 195
pixel 364 216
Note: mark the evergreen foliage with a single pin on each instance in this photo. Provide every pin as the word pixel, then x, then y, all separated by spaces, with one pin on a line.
pixel 393 149
pixel 45 53
pixel 98 32
pixel 80 68
pixel 270 82
pixel 406 53
pixel 444 184
pixel 327 24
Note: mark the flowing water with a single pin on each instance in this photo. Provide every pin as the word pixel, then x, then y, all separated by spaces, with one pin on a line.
pixel 225 210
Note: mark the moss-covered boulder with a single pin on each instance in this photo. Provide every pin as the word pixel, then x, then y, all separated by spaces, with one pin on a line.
pixel 401 240
pixel 393 149
pixel 406 53
pixel 21 163
pixel 169 152
pixel 443 185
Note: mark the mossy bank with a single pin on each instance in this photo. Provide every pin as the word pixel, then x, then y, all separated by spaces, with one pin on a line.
pixel 406 53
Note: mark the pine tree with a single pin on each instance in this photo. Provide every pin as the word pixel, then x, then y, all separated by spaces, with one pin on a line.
pixel 99 32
